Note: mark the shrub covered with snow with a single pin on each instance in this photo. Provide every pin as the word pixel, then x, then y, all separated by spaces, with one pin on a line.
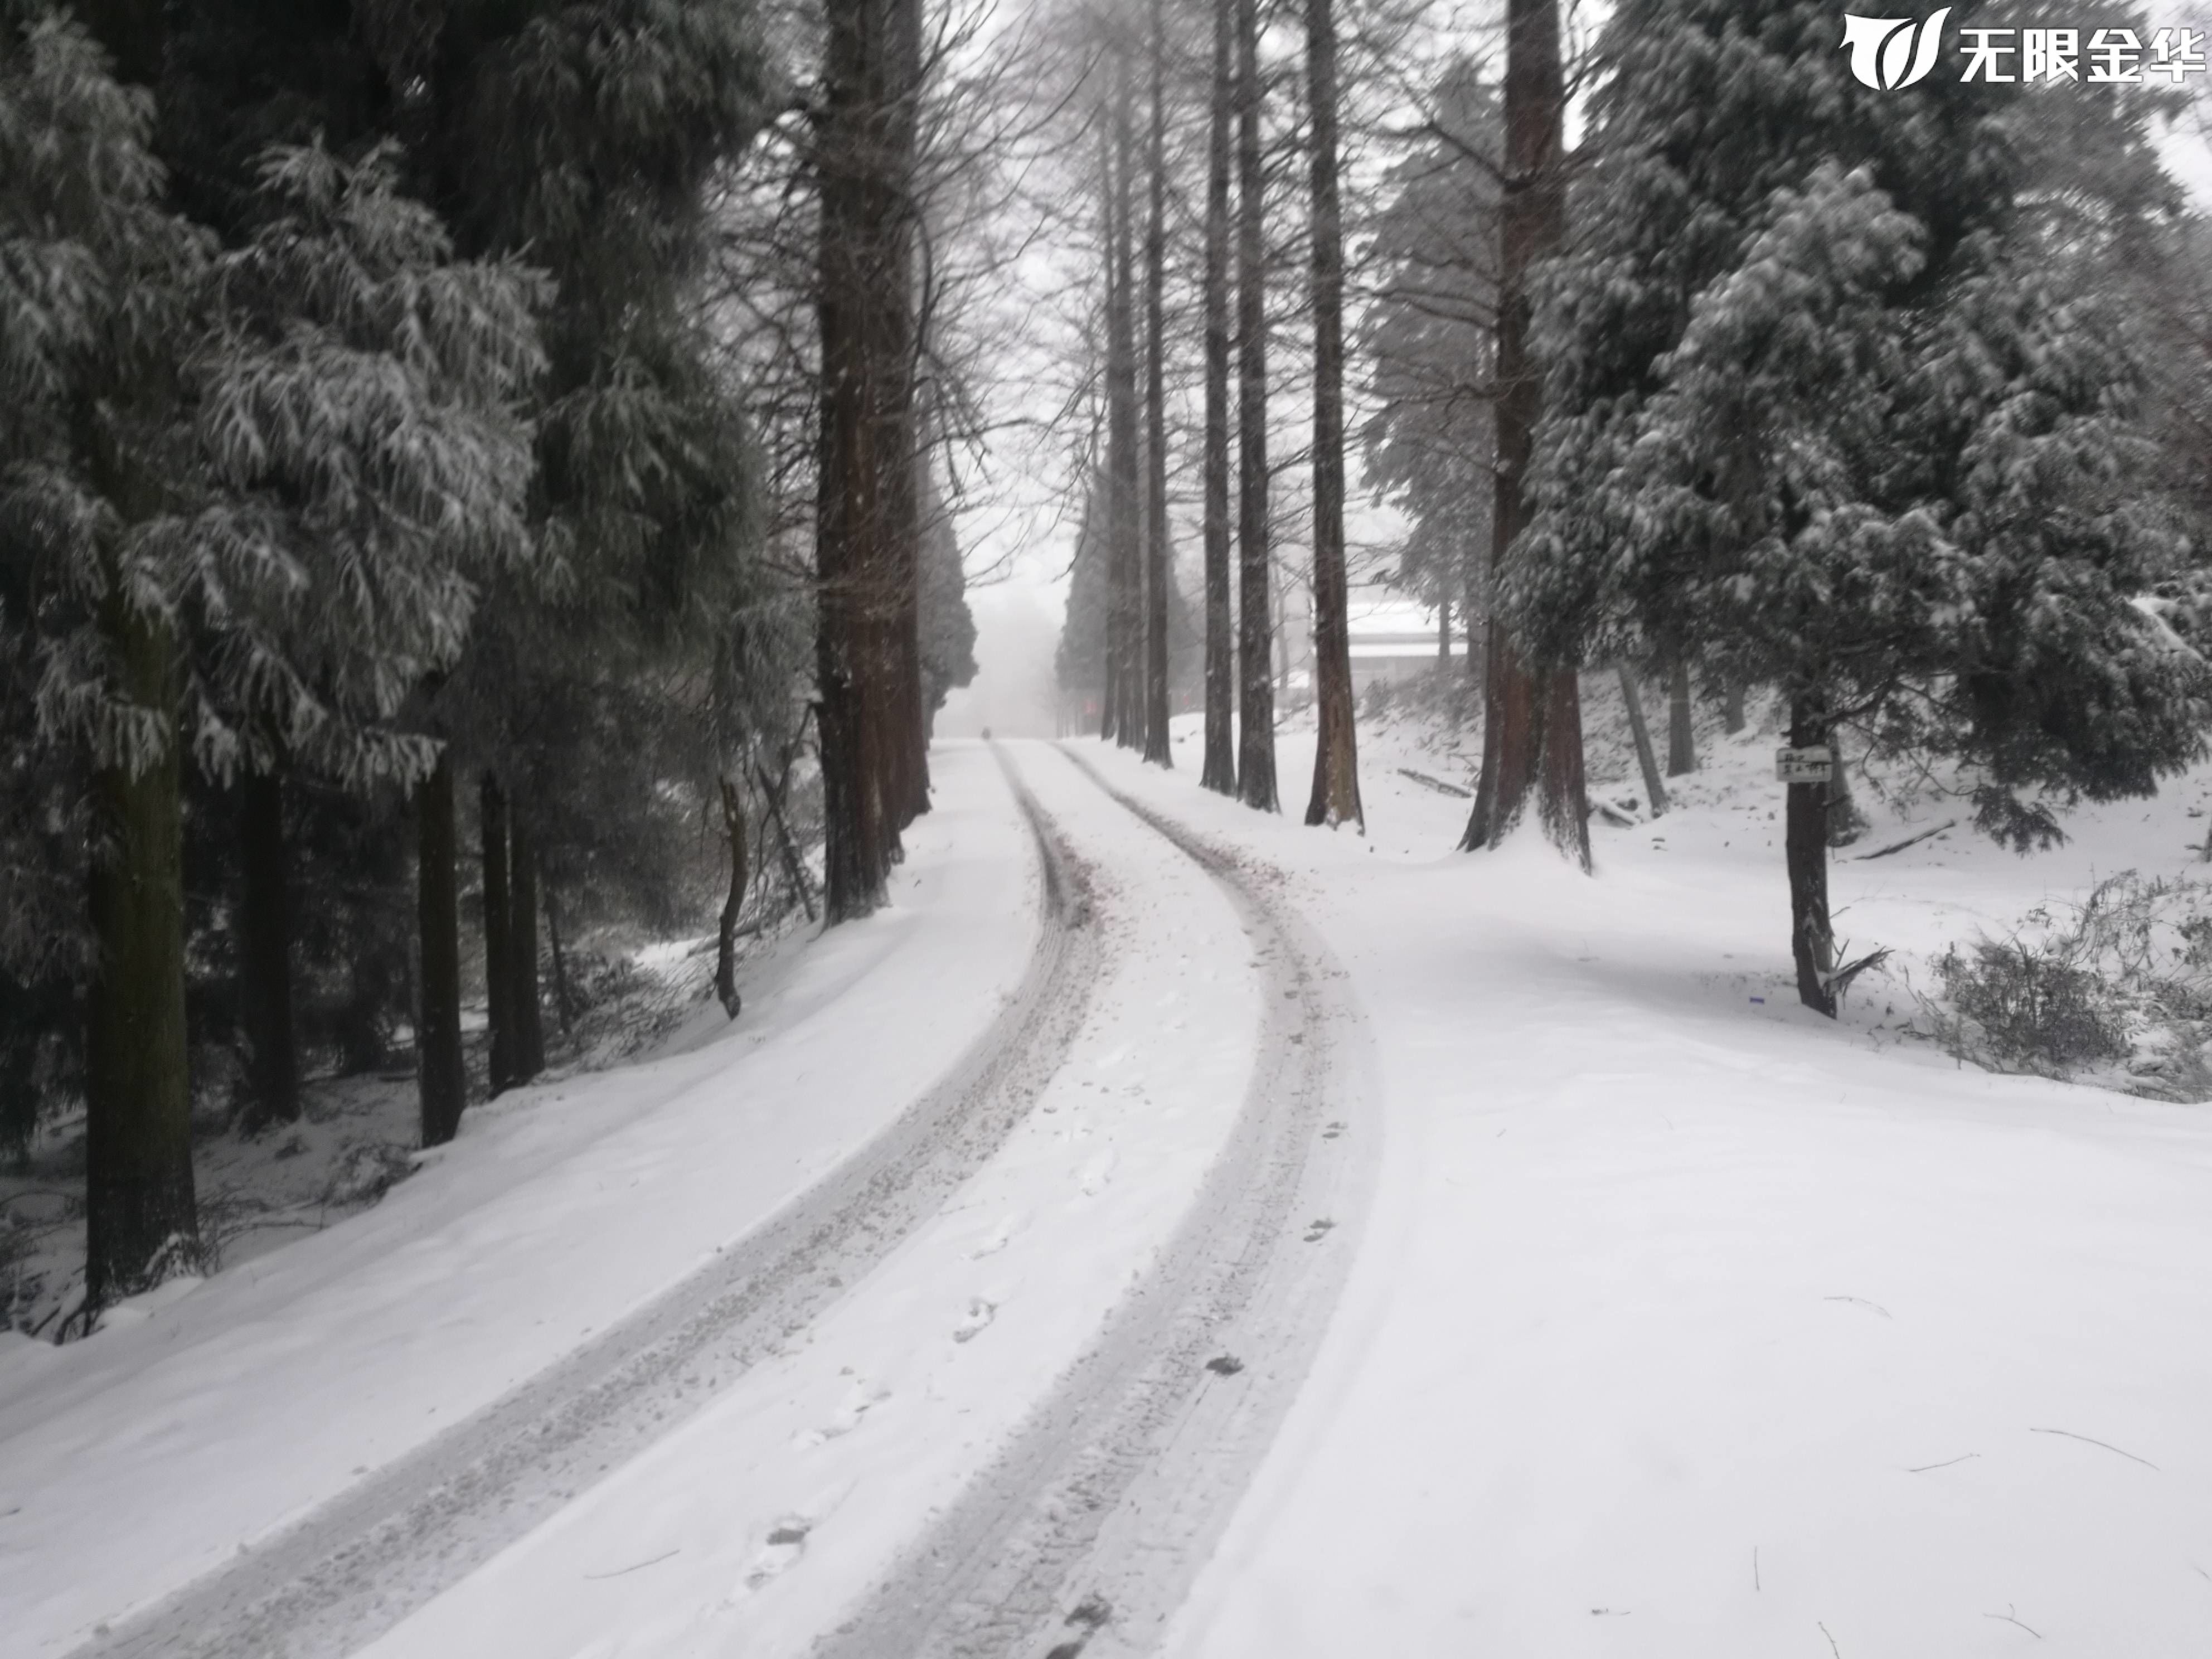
pixel 2117 990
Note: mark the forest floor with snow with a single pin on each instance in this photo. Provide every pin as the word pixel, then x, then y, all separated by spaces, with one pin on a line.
pixel 1680 1322
pixel 358 1132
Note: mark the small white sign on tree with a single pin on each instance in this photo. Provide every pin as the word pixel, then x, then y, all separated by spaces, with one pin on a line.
pixel 1815 764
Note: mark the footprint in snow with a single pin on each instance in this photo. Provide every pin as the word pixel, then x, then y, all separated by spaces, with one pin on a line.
pixel 858 1404
pixel 980 1315
pixel 1096 1174
pixel 1001 1237
pixel 1317 1229
pixel 785 1543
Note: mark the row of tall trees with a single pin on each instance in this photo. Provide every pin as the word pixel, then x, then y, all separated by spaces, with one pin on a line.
pixel 1777 380
pixel 1837 396
pixel 1232 279
pixel 393 527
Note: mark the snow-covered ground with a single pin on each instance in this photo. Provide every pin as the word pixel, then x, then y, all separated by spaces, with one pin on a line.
pixel 1691 1324
pixel 1682 1322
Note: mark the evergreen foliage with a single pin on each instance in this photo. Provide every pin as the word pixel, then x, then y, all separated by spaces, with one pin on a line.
pixel 1820 399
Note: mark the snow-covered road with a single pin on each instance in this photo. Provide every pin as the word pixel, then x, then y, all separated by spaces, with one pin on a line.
pixel 959 1369
pixel 1343 1246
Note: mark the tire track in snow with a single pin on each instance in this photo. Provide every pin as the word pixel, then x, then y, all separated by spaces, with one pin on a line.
pixel 1083 1535
pixel 358 1566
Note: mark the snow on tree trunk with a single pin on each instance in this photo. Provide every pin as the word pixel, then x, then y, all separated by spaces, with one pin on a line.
pixel 441 1075
pixel 1335 798
pixel 142 1219
pixel 265 951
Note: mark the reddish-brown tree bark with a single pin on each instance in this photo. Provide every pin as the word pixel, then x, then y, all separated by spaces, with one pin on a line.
pixel 1532 722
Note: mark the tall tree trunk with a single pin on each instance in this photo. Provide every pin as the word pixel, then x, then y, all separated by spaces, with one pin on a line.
pixel 1219 773
pixel 141 1219
pixel 1335 798
pixel 1681 734
pixel 264 952
pixel 1116 619
pixel 725 943
pixel 1653 786
pixel 1846 824
pixel 522 953
pixel 564 1002
pixel 1732 708
pixel 1156 576
pixel 1805 846
pixel 441 1074
pixel 793 871
pixel 498 930
pixel 903 456
pixel 1124 518
pixel 1532 720
pixel 1443 632
pixel 863 151
pixel 1473 614
pixel 1255 711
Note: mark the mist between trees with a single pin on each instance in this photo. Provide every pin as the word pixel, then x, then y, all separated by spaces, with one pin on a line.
pixel 484 484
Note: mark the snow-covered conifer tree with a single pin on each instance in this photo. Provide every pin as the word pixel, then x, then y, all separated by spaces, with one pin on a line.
pixel 1817 401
